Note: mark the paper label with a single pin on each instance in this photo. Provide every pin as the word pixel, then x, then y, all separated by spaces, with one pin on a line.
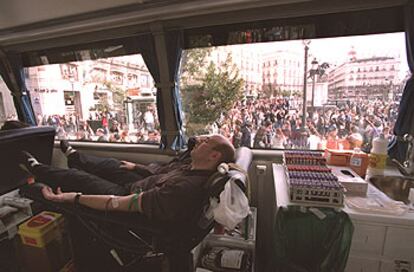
pixel 355 162
pixel 232 259
pixel 377 160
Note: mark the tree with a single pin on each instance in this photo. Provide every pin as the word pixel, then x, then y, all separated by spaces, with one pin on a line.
pixel 118 95
pixel 208 90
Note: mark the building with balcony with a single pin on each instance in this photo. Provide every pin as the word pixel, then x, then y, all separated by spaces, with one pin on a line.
pixel 282 71
pixel 364 78
pixel 248 62
pixel 78 87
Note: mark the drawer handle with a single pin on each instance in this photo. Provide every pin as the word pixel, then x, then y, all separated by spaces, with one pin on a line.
pixel 366 239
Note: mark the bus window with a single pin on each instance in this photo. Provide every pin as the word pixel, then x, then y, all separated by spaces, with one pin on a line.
pixel 7 109
pixel 296 94
pixel 107 99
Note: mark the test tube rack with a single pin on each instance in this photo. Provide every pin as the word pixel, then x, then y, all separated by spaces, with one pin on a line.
pixel 310 180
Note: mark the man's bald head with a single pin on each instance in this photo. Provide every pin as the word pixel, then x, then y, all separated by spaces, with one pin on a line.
pixel 225 147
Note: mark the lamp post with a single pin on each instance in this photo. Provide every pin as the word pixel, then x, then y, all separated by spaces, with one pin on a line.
pixel 313 72
pixel 71 78
pixel 391 91
pixel 305 76
pixel 72 82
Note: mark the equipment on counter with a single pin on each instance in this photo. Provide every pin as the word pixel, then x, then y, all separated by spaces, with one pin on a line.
pixel 310 180
pixel 354 185
pixel 13 211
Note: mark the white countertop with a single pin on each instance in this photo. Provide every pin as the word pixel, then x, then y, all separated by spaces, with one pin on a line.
pixel 282 200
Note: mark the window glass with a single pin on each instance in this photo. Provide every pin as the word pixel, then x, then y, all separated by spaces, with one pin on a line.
pixel 7 110
pixel 348 99
pixel 107 99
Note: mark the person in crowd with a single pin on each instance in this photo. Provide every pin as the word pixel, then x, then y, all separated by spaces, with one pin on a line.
pixel 314 139
pixel 246 138
pixel 114 127
pixel 268 134
pixel 332 140
pixel 259 138
pixel 61 133
pixel 105 123
pixel 279 140
pixel 100 132
pixel 170 198
pixel 114 137
pixel 355 139
pixel 386 131
pixel 225 130
pixel 237 136
pixel 84 126
pixel 149 119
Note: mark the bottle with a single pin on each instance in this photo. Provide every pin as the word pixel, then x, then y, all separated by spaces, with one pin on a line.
pixel 359 162
pixel 377 157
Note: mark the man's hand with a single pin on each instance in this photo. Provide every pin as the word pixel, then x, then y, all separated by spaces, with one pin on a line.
pixel 59 196
pixel 141 168
pixel 127 165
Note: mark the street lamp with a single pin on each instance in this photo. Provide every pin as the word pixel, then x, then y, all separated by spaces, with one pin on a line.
pixel 305 76
pixel 313 72
pixel 72 80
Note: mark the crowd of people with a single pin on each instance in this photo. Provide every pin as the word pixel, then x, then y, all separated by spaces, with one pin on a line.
pixel 103 127
pixel 274 123
pixel 263 123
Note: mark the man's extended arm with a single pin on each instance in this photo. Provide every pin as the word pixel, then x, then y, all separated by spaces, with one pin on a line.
pixel 127 203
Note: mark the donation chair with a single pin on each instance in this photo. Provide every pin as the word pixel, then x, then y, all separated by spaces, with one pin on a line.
pixel 116 241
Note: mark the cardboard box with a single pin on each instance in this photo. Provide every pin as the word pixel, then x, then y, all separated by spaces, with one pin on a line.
pixel 338 157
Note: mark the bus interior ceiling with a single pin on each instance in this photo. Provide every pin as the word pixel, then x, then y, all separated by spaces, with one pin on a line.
pixel 73 23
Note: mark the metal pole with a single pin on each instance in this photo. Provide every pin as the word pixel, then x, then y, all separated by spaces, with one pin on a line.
pixel 313 92
pixel 305 72
pixel 74 105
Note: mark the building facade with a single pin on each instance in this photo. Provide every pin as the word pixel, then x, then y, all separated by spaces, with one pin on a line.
pixel 365 78
pixel 282 72
pixel 7 109
pixel 82 87
pixel 248 62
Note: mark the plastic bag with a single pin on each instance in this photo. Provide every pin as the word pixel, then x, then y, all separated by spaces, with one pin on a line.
pixel 233 206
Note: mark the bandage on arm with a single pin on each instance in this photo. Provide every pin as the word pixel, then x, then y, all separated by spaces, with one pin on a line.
pixel 110 202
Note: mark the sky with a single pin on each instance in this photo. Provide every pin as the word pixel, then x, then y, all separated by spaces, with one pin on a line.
pixel 335 50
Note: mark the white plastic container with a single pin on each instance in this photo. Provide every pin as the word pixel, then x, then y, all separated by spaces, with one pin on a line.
pixel 377 157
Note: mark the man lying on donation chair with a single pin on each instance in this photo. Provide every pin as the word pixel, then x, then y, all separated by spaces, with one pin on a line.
pixel 172 196
pixel 165 197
